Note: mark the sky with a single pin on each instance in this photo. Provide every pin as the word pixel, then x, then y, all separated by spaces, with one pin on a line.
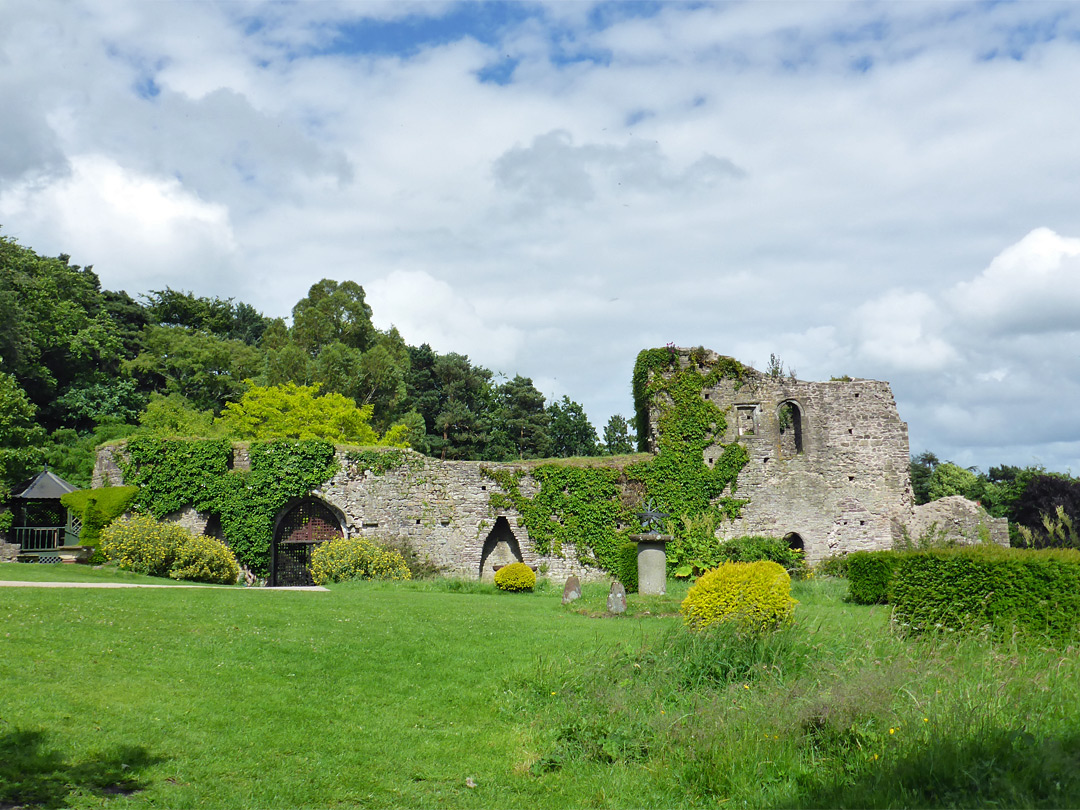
pixel 881 190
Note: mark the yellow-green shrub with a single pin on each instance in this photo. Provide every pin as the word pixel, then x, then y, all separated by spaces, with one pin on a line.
pixel 205 559
pixel 356 558
pixel 515 577
pixel 142 544
pixel 754 596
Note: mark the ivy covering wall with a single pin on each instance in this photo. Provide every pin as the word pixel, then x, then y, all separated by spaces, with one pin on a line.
pixel 176 473
pixel 588 506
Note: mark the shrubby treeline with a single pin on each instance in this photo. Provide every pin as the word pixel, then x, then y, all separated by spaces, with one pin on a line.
pixel 80 365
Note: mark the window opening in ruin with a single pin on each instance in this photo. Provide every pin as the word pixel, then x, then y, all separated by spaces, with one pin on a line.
pixel 301 528
pixel 746 419
pixel 794 541
pixel 789 415
pixel 500 548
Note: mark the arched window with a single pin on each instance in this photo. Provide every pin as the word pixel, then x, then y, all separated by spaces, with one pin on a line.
pixel 789 415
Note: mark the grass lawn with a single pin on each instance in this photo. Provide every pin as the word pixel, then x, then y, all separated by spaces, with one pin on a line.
pixel 453 695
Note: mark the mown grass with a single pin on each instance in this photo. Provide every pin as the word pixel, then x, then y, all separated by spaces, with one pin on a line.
pixel 60 572
pixel 405 694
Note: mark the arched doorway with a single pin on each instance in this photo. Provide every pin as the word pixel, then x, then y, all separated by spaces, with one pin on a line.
pixel 500 548
pixel 299 529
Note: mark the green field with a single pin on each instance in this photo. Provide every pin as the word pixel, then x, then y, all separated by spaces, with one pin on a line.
pixel 453 695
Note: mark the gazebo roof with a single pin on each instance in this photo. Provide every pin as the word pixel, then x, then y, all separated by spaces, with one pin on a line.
pixel 45 486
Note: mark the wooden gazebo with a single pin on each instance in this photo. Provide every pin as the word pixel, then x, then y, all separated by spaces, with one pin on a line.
pixel 42 525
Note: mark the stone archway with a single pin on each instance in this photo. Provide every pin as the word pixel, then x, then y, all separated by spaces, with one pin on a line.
pixel 500 548
pixel 794 541
pixel 299 528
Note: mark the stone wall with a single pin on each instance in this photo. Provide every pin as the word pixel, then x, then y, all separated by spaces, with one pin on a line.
pixel 442 509
pixel 958 519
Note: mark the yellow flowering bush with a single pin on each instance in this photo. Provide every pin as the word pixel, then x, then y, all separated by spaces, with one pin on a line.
pixel 205 559
pixel 142 544
pixel 754 596
pixel 147 546
pixel 356 558
pixel 515 577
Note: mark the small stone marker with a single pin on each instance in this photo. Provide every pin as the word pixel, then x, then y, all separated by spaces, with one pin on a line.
pixel 616 598
pixel 572 590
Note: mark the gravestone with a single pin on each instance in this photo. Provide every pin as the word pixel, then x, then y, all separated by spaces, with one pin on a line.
pixel 572 590
pixel 616 600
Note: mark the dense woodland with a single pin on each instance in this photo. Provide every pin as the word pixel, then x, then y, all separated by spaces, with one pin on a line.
pixel 80 366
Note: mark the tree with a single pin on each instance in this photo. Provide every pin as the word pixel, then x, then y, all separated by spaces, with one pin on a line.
pixel 205 369
pixel 922 467
pixel 520 417
pixel 293 411
pixel 333 312
pixel 951 479
pixel 617 436
pixel 20 436
pixel 569 431
pixel 218 316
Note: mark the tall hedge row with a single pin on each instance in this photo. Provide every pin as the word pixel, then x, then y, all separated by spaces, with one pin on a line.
pixel 869 574
pixel 988 588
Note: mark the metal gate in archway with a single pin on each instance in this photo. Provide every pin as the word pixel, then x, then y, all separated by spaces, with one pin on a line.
pixel 305 526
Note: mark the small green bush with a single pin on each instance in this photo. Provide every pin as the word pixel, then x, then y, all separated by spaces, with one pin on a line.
pixel 515 577
pixel 835 565
pixel 756 547
pixel 989 588
pixel 205 559
pixel 142 544
pixel 356 558
pixel 754 596
pixel 869 573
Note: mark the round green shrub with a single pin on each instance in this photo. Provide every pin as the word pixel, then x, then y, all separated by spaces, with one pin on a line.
pixel 356 558
pixel 205 559
pixel 142 544
pixel 515 577
pixel 755 597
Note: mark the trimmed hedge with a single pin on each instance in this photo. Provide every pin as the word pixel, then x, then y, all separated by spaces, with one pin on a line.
pixel 98 508
pixel 979 588
pixel 869 573
pixel 754 597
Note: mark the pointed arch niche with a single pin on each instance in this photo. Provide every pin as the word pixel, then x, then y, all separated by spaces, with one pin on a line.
pixel 500 548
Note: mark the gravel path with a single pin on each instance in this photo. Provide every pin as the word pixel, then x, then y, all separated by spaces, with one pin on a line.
pixel 17 584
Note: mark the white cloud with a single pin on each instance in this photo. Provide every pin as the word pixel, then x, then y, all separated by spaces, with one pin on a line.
pixel 427 310
pixel 120 219
pixel 824 181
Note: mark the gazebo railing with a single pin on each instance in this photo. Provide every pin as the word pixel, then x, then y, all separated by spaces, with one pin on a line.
pixel 39 538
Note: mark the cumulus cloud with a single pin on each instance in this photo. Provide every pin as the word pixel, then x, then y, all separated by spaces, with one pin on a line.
pixel 427 310
pixel 826 181
pixel 122 219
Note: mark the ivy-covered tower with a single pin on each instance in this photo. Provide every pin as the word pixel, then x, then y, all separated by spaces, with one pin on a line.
pixel 826 463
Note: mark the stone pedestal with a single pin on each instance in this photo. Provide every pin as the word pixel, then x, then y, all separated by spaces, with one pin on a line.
pixel 651 562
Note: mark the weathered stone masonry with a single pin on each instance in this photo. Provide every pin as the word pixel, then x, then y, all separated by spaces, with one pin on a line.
pixel 831 476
